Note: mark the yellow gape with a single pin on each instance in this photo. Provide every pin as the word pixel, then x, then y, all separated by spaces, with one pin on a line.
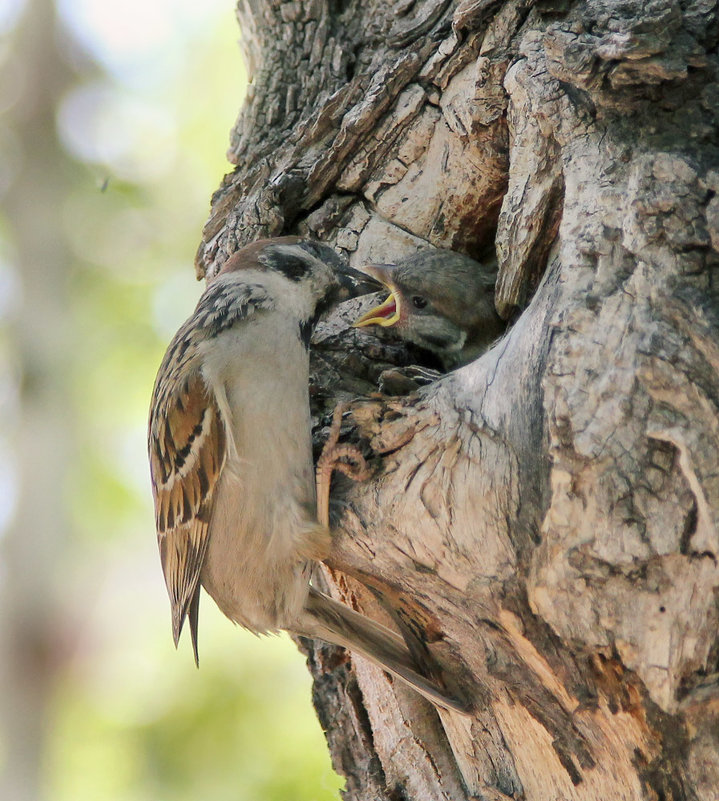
pixel 385 314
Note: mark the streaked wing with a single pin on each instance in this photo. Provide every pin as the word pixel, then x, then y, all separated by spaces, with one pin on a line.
pixel 187 453
pixel 187 441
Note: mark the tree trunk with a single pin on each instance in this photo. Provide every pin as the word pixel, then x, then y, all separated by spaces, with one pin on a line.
pixel 34 632
pixel 549 513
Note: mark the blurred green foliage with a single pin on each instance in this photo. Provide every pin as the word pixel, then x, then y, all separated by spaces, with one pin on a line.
pixel 149 730
pixel 130 719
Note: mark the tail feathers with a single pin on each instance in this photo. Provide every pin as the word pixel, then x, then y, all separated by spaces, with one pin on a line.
pixel 190 610
pixel 326 619
pixel 193 614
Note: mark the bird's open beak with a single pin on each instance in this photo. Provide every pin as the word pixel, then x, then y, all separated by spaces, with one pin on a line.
pixel 388 312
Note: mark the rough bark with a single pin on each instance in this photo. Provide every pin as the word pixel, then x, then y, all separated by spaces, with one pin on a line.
pixel 549 514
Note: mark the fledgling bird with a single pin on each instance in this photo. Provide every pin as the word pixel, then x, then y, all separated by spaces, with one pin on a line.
pixel 231 459
pixel 440 300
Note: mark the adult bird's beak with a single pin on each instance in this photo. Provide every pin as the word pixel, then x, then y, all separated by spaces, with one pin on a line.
pixel 354 283
pixel 388 312
pixel 350 283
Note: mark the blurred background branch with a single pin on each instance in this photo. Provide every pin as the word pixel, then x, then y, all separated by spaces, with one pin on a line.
pixel 115 121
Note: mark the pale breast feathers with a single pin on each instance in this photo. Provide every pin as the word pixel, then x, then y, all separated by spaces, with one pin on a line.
pixel 187 444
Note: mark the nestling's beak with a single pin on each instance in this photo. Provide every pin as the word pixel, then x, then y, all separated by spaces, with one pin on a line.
pixel 388 312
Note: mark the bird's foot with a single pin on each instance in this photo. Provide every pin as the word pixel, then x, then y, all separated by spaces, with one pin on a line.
pixel 346 458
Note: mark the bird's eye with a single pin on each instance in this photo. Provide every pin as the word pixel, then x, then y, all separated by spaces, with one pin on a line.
pixel 419 302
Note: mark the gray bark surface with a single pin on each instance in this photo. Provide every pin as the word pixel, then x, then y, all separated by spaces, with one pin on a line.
pixel 548 514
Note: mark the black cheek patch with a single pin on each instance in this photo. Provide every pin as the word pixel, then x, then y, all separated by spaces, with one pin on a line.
pixel 292 267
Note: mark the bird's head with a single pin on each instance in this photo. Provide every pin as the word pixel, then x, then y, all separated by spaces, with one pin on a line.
pixel 308 272
pixel 440 300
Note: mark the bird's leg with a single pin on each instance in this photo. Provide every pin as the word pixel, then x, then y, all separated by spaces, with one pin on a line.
pixel 344 457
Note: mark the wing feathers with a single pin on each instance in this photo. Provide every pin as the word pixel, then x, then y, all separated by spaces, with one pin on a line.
pixel 187 454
